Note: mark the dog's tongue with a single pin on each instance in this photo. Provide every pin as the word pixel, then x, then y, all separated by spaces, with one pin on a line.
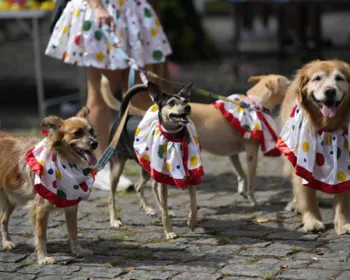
pixel 92 160
pixel 328 111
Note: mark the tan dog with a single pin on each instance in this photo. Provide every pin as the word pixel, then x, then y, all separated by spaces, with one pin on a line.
pixel 217 135
pixel 72 139
pixel 322 89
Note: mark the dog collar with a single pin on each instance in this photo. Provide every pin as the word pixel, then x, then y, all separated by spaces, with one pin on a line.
pixel 171 131
pixel 257 103
pixel 60 182
pixel 320 157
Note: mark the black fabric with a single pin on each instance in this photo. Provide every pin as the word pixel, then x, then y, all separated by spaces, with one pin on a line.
pixel 57 12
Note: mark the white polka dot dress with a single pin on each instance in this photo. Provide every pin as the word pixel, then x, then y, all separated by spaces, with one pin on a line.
pixel 171 161
pixel 321 158
pixel 76 39
pixel 251 124
pixel 62 183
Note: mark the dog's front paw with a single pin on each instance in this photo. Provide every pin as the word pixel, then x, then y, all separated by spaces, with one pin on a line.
pixel 81 252
pixel 8 245
pixel 291 207
pixel 170 235
pixel 342 228
pixel 312 224
pixel 192 221
pixel 46 260
pixel 150 212
pixel 116 223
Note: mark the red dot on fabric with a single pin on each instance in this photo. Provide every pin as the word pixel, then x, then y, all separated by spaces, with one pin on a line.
pixel 84 186
pixel 319 159
pixel 77 40
pixel 54 184
pixel 147 149
pixel 292 114
pixel 54 157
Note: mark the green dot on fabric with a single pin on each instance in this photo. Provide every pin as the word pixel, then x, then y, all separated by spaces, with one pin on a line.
pixel 98 35
pixel 338 153
pixel 76 187
pixel 157 55
pixel 87 25
pixel 118 14
pixel 61 194
pixel 160 151
pixel 148 13
pixel 246 127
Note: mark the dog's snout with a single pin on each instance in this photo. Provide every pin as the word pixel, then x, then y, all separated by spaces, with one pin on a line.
pixel 93 144
pixel 188 109
pixel 330 93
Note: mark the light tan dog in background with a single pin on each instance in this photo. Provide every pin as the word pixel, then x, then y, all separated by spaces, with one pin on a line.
pixel 72 139
pixel 217 136
pixel 314 85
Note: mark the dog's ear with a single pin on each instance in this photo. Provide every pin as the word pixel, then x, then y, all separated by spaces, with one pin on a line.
pixel 301 82
pixel 51 123
pixel 254 79
pixel 83 113
pixel 186 91
pixel 155 92
pixel 284 81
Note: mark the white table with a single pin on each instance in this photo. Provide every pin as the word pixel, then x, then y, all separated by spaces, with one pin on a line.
pixel 35 16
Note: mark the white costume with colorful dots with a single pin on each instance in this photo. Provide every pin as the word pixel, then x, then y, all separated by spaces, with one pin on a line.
pixel 169 160
pixel 251 124
pixel 321 158
pixel 77 39
pixel 60 182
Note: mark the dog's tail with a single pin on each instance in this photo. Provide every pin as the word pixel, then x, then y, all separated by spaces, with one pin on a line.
pixel 129 95
pixel 107 95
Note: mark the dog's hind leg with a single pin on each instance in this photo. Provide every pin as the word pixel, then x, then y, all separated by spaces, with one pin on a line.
pixel 342 213
pixel 192 217
pixel 140 192
pixel 117 167
pixel 168 229
pixel 252 148
pixel 241 178
pixel 7 209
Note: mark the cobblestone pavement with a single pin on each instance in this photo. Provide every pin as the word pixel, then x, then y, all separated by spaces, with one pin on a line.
pixel 232 240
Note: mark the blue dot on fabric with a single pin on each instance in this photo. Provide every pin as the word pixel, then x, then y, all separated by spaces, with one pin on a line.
pixel 74 165
pixel 50 171
pixel 297 111
pixel 322 143
pixel 334 138
pixel 304 159
pixel 137 139
pixel 331 153
pixel 70 165
pixel 178 166
pixel 63 166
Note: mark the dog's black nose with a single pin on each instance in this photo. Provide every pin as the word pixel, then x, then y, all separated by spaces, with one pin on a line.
pixel 330 93
pixel 188 109
pixel 93 144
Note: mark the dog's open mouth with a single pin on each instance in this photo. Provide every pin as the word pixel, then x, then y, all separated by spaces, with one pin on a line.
pixel 328 108
pixel 179 118
pixel 86 155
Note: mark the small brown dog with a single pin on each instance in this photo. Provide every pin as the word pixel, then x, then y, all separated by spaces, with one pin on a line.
pixel 216 134
pixel 322 88
pixel 71 139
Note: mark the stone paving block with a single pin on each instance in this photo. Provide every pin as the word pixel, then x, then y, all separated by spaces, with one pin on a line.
pixel 10 267
pixel 309 274
pixel 149 275
pixel 247 270
pixel 10 257
pixel 51 269
pixel 344 276
pixel 16 276
pixel 331 265
pixel 103 272
pixel 197 276
pixel 198 266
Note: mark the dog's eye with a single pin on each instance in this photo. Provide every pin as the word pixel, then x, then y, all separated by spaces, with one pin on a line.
pixel 92 131
pixel 171 103
pixel 316 78
pixel 79 133
pixel 339 78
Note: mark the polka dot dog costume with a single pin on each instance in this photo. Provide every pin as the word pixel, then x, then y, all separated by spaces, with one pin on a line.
pixel 320 157
pixel 172 161
pixel 251 124
pixel 60 182
pixel 76 39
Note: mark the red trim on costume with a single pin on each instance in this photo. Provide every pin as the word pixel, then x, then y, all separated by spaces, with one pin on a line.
pixel 35 166
pixel 255 134
pixel 307 175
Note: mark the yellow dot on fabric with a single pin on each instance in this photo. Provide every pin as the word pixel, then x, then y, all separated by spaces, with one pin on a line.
pixel 138 130
pixel 306 147
pixel 296 147
pixel 146 157
pixel 121 33
pixel 42 162
pixel 64 29
pixel 157 22
pixel 346 144
pixel 154 108
pixel 154 32
pixel 256 126
pixel 193 161
pixel 100 56
pixel 43 173
pixel 341 176
pixel 84 49
pixel 195 138
pixel 239 109
pixel 58 174
pixel 77 12
pixel 329 139
pixel 168 166
pixel 156 132
pixel 121 2
pixel 309 130
pixel 110 46
pixel 164 148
